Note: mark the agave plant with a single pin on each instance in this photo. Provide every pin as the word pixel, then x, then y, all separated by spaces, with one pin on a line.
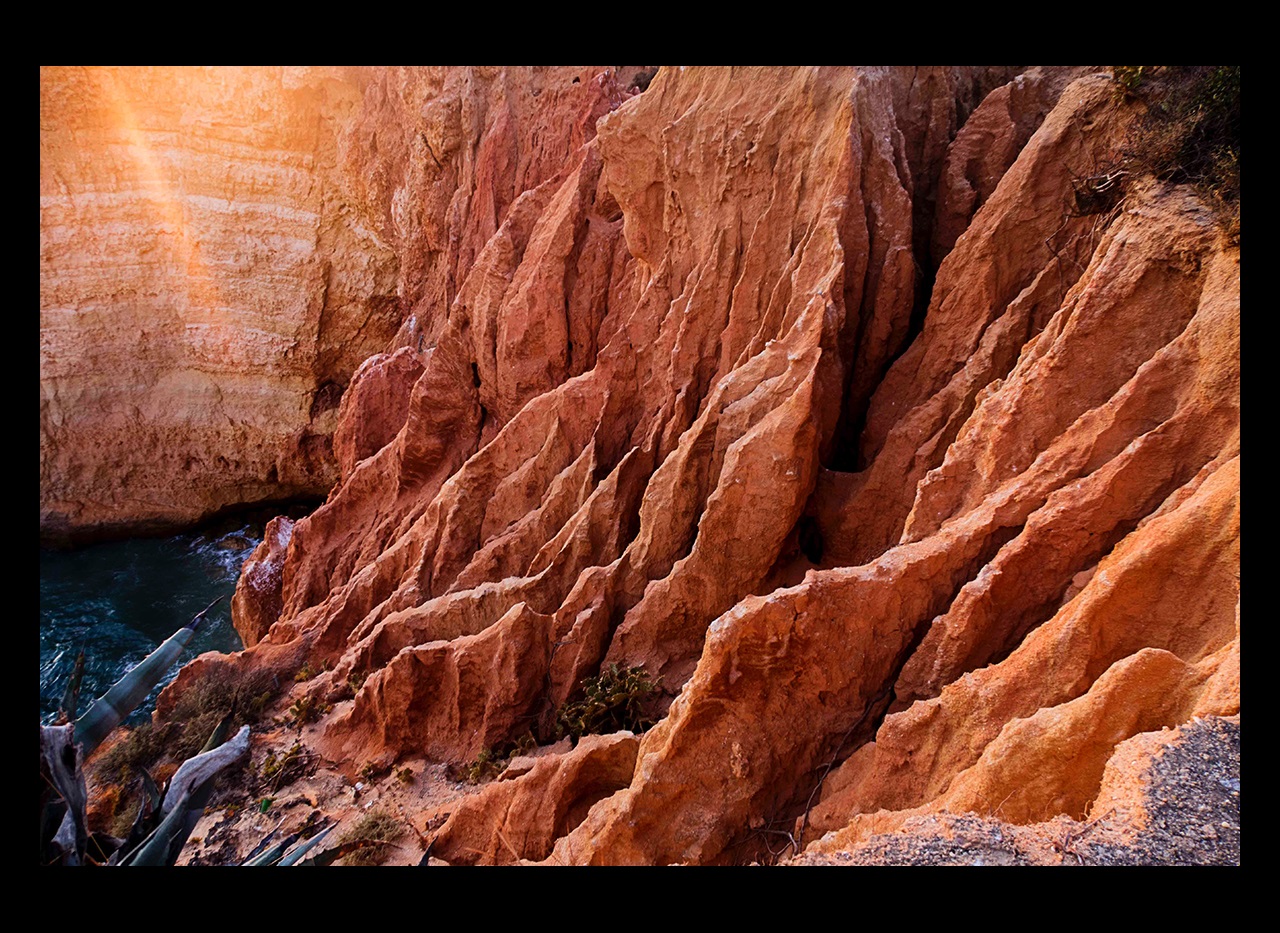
pixel 165 818
pixel 114 706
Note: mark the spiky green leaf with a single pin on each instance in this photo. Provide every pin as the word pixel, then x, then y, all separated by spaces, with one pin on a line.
pixel 219 733
pixel 110 709
pixel 150 790
pixel 296 855
pixel 273 855
pixel 261 846
pixel 158 847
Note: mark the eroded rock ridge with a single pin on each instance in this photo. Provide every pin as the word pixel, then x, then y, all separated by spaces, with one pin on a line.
pixel 813 392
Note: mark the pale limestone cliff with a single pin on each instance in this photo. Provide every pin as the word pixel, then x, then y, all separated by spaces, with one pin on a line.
pixel 221 248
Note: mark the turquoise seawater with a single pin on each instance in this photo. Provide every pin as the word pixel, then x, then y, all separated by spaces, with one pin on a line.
pixel 121 599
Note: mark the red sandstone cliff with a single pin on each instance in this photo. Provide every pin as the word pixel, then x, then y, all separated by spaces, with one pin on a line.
pixel 664 398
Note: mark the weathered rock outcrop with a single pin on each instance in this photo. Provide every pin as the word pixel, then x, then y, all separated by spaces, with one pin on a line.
pixel 535 802
pixel 256 603
pixel 618 430
pixel 1167 797
pixel 221 248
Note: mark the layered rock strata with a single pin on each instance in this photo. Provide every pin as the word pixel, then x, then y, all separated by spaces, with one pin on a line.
pixel 629 443
pixel 221 248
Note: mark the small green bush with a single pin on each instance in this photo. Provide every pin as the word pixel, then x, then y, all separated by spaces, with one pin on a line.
pixel 139 748
pixel 494 760
pixel 618 699
pixel 488 764
pixel 376 830
pixel 1128 79
pixel 122 819
pixel 277 772
pixel 1190 133
pixel 304 710
pixel 182 734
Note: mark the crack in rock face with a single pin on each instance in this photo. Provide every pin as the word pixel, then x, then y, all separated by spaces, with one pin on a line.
pixel 800 419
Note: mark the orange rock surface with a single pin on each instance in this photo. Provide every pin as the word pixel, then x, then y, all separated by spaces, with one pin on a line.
pixel 680 389
pixel 221 248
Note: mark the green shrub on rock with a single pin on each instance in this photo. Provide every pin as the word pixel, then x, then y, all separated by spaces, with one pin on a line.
pixel 618 699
